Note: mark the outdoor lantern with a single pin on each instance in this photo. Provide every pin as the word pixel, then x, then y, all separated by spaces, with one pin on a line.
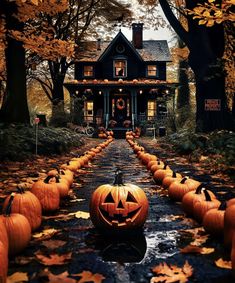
pixel 118 207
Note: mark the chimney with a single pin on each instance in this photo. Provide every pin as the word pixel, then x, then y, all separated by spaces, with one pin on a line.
pixel 137 35
pixel 98 45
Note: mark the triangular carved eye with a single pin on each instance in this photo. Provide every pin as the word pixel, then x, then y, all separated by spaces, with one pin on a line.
pixel 109 199
pixel 130 198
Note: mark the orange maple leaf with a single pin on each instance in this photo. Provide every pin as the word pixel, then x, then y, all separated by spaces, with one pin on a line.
pixel 87 276
pixel 172 273
pixel 54 259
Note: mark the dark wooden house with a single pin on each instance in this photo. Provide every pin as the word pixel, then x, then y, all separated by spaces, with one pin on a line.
pixel 122 83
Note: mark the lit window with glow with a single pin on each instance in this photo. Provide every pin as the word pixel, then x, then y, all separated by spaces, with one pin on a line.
pixel 88 111
pixel 152 106
pixel 120 68
pixel 88 71
pixel 151 70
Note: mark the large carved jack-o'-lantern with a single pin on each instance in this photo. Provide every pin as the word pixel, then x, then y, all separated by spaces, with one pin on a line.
pixel 118 207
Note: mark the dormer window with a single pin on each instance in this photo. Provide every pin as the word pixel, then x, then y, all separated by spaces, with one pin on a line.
pixel 120 68
pixel 151 70
pixel 88 71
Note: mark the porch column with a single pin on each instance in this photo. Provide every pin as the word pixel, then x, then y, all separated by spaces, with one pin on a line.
pixel 133 106
pixel 106 107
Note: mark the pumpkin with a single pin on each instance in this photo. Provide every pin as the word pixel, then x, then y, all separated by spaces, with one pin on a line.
pixel 191 197
pixel 47 193
pixel 3 262
pixel 118 207
pixel 213 220
pixel 72 165
pixel 179 188
pixel 201 206
pixel 64 174
pixel 170 179
pixel 229 224
pixel 158 165
pixel 3 233
pixel 18 229
pixel 27 204
pixel 63 186
pixel 233 251
pixel 159 174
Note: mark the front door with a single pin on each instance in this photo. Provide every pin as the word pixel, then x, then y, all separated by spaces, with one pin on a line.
pixel 120 109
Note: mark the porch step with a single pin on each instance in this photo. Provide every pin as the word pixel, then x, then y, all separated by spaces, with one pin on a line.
pixel 119 132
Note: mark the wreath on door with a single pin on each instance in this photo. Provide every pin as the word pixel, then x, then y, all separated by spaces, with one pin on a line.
pixel 120 104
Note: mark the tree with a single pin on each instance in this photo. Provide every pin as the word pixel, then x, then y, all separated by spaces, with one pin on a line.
pixel 14 15
pixel 206 48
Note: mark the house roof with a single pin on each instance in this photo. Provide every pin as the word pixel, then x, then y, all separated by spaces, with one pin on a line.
pixel 153 50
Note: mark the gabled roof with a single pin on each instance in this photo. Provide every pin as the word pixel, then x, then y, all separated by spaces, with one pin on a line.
pixel 119 36
pixel 153 50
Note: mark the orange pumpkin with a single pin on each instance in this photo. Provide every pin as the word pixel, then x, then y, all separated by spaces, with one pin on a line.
pixel 213 220
pixel 233 252
pixel 158 165
pixel 159 174
pixel 170 179
pixel 118 207
pixel 27 204
pixel 3 262
pixel 64 174
pixel 47 193
pixel 229 224
pixel 201 206
pixel 3 233
pixel 179 188
pixel 191 197
pixel 18 229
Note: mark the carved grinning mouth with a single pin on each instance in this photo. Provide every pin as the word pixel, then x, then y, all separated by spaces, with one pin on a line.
pixel 119 219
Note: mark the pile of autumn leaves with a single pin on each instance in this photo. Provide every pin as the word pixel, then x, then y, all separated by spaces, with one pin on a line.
pixel 22 210
pixel 197 202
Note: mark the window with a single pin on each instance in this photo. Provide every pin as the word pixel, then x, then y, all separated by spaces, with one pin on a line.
pixel 151 109
pixel 88 71
pixel 151 70
pixel 88 111
pixel 120 68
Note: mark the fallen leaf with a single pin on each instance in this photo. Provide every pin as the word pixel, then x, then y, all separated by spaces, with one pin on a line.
pixel 54 259
pixel 223 263
pixel 196 249
pixel 77 200
pixel 23 260
pixel 53 244
pixel 87 276
pixel 61 278
pixel 18 277
pixel 82 214
pixel 45 234
pixel 172 273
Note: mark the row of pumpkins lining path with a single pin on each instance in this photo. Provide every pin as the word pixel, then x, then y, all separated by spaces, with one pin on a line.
pixel 127 260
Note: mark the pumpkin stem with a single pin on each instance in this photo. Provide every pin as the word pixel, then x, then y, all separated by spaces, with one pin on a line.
pixel 20 190
pixel 199 189
pixel 48 178
pixel 8 208
pixel 174 174
pixel 208 197
pixel 57 178
pixel 183 180
pixel 118 178
pixel 223 205
pixel 165 166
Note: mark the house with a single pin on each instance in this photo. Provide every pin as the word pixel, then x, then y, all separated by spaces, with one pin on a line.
pixel 122 83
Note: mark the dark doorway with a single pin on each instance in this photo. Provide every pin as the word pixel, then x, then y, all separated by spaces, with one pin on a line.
pixel 120 108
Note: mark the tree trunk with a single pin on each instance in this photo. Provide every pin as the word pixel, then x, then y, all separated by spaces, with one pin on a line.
pixel 15 106
pixel 206 45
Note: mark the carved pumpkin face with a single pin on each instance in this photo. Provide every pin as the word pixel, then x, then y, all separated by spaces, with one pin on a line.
pixel 118 207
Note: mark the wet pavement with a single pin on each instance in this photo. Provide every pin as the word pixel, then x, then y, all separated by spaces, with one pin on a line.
pixel 126 259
